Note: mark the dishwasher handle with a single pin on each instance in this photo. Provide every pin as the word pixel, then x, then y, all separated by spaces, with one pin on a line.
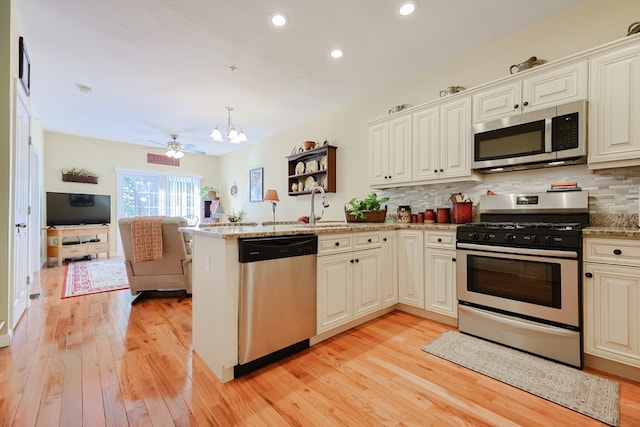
pixel 266 248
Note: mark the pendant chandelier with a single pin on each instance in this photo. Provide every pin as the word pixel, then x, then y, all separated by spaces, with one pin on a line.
pixel 233 135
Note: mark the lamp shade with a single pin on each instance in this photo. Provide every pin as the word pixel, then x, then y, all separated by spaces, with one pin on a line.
pixel 271 196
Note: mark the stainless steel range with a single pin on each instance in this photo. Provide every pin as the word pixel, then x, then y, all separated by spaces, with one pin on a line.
pixel 519 273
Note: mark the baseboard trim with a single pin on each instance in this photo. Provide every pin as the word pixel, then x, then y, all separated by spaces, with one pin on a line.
pixel 5 339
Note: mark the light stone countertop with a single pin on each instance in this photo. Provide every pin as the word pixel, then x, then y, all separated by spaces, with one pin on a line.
pixel 230 231
pixel 627 232
pixel 249 230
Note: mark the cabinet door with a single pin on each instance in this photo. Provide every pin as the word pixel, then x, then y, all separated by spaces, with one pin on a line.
pixel 426 125
pixel 501 101
pixel 335 291
pixel 611 304
pixel 411 268
pixel 455 138
pixel 400 149
pixel 378 148
pixel 389 260
pixel 558 86
pixel 614 108
pixel 367 279
pixel 440 283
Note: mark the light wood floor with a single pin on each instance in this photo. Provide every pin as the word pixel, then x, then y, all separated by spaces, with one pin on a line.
pixel 96 360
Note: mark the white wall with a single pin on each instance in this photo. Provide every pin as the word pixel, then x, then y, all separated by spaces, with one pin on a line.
pixel 62 151
pixel 588 25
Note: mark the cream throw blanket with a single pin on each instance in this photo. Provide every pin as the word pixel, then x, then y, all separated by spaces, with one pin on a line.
pixel 146 238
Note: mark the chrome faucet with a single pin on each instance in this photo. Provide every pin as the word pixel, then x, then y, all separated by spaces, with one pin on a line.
pixel 325 204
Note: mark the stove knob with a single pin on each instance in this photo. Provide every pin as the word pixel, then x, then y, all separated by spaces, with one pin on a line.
pixel 475 236
pixel 486 236
pixel 548 240
pixel 510 237
pixel 534 239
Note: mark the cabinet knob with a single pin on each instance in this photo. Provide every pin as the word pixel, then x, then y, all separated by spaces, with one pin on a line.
pixel 441 170
pixel 515 107
pixel 589 275
pixel 525 103
pixel 357 259
pixel 439 240
pixel 384 239
pixel 352 261
pixel 435 171
pixel 453 259
pixel 369 240
pixel 617 251
pixel 337 243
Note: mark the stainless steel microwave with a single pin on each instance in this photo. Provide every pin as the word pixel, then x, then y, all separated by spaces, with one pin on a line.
pixel 541 138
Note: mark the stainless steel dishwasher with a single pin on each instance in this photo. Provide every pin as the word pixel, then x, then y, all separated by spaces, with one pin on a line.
pixel 277 306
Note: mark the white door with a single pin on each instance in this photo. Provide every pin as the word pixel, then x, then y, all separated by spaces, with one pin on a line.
pixel 18 292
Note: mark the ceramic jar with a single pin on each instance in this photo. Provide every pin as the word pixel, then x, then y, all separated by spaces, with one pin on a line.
pixel 404 214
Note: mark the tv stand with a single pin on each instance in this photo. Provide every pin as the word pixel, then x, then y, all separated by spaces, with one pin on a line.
pixel 56 249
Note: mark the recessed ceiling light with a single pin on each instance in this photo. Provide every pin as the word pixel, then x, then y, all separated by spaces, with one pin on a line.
pixel 407 8
pixel 336 53
pixel 278 20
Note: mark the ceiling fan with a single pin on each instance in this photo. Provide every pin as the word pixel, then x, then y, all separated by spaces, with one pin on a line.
pixel 176 149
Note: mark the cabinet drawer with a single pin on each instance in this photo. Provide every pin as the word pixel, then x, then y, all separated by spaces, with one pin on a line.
pixel 96 248
pixel 366 240
pixel 73 251
pixel 614 251
pixel 334 243
pixel 440 239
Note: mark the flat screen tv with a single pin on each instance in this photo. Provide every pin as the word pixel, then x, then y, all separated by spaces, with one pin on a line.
pixel 78 209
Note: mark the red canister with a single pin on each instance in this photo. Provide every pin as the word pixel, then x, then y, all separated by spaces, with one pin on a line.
pixel 442 215
pixel 420 217
pixel 462 212
pixel 429 216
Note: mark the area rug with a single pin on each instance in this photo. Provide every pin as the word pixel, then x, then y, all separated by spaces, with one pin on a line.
pixel 588 394
pixel 91 277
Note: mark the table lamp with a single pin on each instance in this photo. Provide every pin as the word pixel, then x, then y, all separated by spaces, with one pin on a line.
pixel 272 196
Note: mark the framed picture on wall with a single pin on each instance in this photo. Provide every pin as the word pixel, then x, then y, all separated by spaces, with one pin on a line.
pixel 24 68
pixel 255 185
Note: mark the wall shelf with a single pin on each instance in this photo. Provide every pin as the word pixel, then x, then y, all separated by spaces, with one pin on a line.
pixel 316 167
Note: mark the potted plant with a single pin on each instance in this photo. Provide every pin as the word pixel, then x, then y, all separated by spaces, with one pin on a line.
pixel 367 209
pixel 208 192
pixel 79 175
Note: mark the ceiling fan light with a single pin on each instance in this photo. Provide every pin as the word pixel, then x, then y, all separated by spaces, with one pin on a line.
pixel 178 155
pixel 171 152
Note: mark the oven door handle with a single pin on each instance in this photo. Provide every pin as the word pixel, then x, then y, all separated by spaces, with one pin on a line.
pixel 519 323
pixel 519 251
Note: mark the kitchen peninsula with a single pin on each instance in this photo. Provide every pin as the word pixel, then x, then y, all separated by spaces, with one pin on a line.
pixel 216 279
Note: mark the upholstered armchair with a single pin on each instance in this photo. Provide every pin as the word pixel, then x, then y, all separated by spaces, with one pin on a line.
pixel 166 274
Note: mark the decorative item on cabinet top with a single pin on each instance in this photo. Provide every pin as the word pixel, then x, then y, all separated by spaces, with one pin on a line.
pixel 79 175
pixel 525 65
pixel 311 168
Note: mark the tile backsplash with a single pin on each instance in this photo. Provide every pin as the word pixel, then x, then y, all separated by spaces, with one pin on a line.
pixel 613 193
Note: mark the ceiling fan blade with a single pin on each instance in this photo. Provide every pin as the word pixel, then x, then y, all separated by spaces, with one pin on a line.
pixel 191 148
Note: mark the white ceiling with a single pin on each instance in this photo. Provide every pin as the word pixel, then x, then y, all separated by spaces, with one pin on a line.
pixel 159 67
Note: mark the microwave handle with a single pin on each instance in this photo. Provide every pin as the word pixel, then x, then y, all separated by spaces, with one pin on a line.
pixel 548 134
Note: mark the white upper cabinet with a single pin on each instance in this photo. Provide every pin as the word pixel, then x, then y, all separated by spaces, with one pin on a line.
pixel 540 89
pixel 442 141
pixel 390 151
pixel 614 109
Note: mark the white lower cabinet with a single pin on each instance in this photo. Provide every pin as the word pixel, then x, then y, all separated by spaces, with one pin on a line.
pixel 440 274
pixel 411 267
pixel 389 260
pixel 349 278
pixel 611 289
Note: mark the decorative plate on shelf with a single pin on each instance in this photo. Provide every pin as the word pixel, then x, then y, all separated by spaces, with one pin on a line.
pixel 323 163
pixel 309 183
pixel 312 166
pixel 299 168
